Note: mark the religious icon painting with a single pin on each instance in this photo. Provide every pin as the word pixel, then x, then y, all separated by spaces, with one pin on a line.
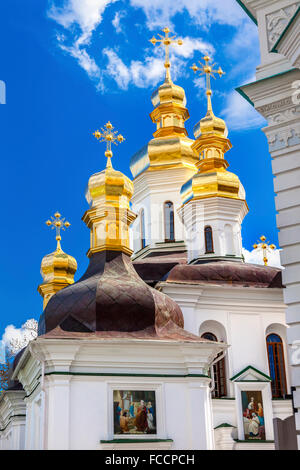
pixel 253 415
pixel 134 412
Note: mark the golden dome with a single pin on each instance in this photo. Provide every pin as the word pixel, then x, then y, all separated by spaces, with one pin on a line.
pixel 212 178
pixel 109 193
pixel 168 92
pixel 211 181
pixel 57 268
pixel 211 125
pixel 110 187
pixel 171 147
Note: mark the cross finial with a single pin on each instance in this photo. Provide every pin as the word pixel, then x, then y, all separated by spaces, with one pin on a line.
pixel 58 223
pixel 108 135
pixel 208 70
pixel 166 41
pixel 264 246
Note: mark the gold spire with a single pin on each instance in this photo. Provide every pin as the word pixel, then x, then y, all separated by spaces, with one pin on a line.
pixel 265 247
pixel 57 268
pixel 166 41
pixel 109 193
pixel 210 145
pixel 58 224
pixel 207 69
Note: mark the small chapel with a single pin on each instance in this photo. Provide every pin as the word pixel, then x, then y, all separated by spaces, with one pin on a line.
pixel 170 340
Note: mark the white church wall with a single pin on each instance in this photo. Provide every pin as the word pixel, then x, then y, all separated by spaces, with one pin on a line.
pixel 224 216
pixel 79 395
pixel 90 419
pixel 12 420
pixel 241 315
pixel 151 190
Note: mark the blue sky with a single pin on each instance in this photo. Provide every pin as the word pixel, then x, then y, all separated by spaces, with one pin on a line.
pixel 70 66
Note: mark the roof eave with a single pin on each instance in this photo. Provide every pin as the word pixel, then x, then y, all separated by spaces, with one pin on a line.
pixel 279 40
pixel 246 10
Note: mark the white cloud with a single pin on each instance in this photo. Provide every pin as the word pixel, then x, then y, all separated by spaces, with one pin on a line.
pixel 239 114
pixel 255 257
pixel 151 70
pixel 87 14
pixel 191 45
pixel 117 20
pixel 141 74
pixel 14 339
pixel 84 59
pixel 159 13
pixel 80 18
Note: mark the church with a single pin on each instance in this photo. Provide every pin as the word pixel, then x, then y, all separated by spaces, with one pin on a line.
pixel 170 340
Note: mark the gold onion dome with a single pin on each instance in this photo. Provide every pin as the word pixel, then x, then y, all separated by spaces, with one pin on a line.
pixel 57 268
pixel 212 178
pixel 171 146
pixel 111 187
pixel 108 193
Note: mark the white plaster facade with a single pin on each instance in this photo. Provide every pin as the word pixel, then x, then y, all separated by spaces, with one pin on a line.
pixel 224 216
pixel 12 420
pixel 151 190
pixel 69 383
pixel 276 96
pixel 69 387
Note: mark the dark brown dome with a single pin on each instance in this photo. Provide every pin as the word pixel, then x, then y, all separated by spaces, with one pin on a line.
pixel 226 272
pixel 110 297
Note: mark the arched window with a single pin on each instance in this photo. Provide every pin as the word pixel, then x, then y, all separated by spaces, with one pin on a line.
pixel 142 229
pixel 169 221
pixel 276 365
pixel 218 371
pixel 209 244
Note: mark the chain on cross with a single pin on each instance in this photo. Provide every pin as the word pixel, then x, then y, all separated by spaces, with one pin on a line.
pixel 166 41
pixel 110 136
pixel 264 246
pixel 58 223
pixel 208 70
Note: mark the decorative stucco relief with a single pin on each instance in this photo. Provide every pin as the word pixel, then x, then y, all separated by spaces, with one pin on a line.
pixel 277 21
pixel 282 138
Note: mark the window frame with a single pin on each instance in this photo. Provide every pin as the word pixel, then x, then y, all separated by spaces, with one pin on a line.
pixel 171 222
pixel 208 229
pixel 279 382
pixel 219 371
pixel 142 229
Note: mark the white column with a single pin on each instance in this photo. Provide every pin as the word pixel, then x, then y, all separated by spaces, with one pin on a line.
pixel 286 169
pixel 58 404
pixel 201 425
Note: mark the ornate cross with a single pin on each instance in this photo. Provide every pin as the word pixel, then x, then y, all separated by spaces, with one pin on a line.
pixel 166 41
pixel 109 136
pixel 58 223
pixel 264 247
pixel 207 69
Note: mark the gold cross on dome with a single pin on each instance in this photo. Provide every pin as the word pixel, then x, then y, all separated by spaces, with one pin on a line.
pixel 208 70
pixel 58 223
pixel 166 41
pixel 110 136
pixel 265 247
